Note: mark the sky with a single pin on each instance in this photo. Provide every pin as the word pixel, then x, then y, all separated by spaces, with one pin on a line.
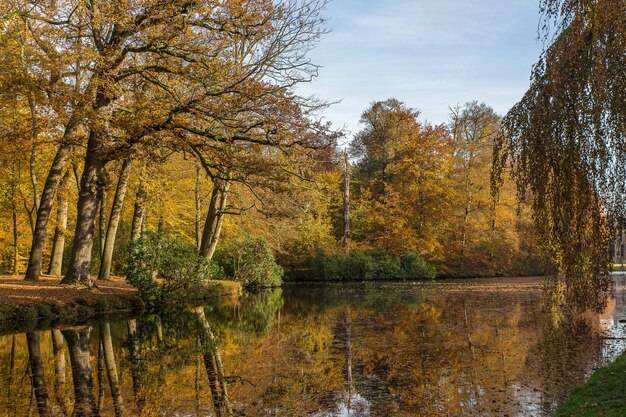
pixel 431 54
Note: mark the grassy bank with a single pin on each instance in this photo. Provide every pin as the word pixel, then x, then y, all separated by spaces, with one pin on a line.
pixel 603 395
pixel 26 305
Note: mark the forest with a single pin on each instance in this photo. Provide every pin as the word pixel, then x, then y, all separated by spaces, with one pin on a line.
pixel 181 120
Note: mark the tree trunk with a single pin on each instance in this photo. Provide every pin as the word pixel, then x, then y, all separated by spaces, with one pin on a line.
pixel 139 213
pixel 109 360
pixel 45 208
pixel 114 219
pixel 33 154
pixel 214 219
pixel 102 223
pixel 198 191
pixel 92 183
pixel 78 346
pixel 58 243
pixel 58 348
pixel 346 203
pixel 33 339
pixel 16 254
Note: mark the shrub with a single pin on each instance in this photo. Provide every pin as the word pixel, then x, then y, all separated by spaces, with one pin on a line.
pixel 163 266
pixel 369 266
pixel 388 267
pixel 358 265
pixel 416 267
pixel 250 261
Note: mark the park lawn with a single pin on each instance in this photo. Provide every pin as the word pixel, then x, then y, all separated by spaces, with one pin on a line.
pixel 603 395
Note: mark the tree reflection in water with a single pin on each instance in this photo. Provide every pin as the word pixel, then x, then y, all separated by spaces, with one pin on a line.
pixel 472 348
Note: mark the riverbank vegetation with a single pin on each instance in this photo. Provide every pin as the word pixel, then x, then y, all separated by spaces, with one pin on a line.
pixel 603 395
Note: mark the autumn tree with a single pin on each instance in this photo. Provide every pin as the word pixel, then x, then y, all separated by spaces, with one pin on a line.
pixel 401 170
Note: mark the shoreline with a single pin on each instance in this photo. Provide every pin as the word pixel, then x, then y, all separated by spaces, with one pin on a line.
pixel 33 305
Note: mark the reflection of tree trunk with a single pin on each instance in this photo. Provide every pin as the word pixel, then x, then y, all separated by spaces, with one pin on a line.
pixel 58 242
pixel 101 375
pixel 59 371
pixel 33 339
pixel 214 219
pixel 114 219
pixel 197 383
pixel 109 360
pixel 11 367
pixel 78 347
pixel 214 368
pixel 348 355
pixel 136 364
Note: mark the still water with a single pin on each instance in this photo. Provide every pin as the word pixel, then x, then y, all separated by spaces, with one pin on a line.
pixel 470 348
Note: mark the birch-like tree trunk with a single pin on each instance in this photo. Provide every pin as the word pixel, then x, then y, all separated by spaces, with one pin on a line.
pixel 58 243
pixel 44 211
pixel 114 219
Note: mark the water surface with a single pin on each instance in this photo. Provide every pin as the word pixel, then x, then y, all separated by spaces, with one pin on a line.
pixel 473 348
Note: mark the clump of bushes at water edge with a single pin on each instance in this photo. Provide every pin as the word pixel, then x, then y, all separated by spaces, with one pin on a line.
pixel 168 267
pixel 163 266
pixel 249 260
pixel 368 266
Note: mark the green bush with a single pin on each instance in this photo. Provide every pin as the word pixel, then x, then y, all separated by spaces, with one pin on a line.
pixel 358 265
pixel 250 261
pixel 162 266
pixel 416 267
pixel 368 266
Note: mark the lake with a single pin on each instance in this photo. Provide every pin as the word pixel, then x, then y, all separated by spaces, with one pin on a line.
pixel 484 347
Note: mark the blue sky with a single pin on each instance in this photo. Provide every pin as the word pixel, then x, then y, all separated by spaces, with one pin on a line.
pixel 431 54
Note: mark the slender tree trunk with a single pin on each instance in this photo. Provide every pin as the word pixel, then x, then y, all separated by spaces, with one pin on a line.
pixel 16 254
pixel 78 347
pixel 139 213
pixel 58 243
pixel 93 182
pixel 198 192
pixel 114 219
pixel 109 360
pixel 33 339
pixel 33 154
pixel 102 223
pixel 346 203
pixel 214 219
pixel 45 208
pixel 58 348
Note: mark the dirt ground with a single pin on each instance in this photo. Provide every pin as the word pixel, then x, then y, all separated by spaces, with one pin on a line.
pixel 14 291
